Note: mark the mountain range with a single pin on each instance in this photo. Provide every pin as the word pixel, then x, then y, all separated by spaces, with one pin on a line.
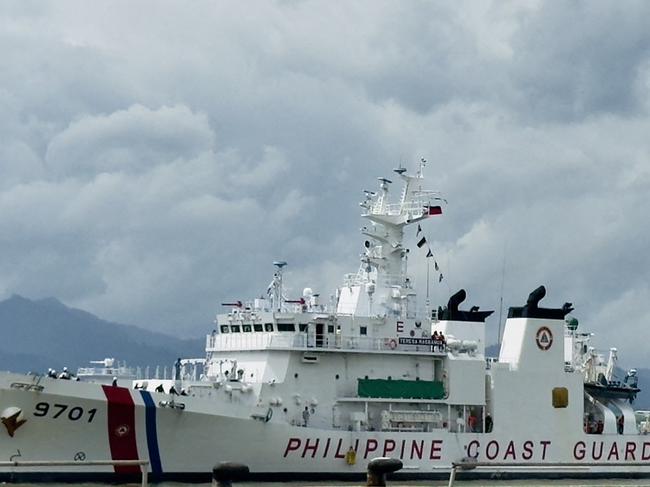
pixel 38 334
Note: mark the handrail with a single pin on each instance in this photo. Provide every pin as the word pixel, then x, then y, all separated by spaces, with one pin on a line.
pixel 89 463
pixel 301 340
pixel 470 464
pixel 415 205
pixel 106 371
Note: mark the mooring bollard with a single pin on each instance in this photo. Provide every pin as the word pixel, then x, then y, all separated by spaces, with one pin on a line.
pixel 379 467
pixel 224 473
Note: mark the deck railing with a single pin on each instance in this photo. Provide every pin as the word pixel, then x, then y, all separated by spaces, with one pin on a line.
pixel 415 207
pixel 282 340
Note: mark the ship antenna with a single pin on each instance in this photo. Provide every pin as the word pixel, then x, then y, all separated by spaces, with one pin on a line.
pixel 503 278
pixel 423 162
pixel 428 302
pixel 277 285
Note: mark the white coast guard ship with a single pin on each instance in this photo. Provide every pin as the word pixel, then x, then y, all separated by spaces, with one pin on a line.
pixel 106 371
pixel 300 389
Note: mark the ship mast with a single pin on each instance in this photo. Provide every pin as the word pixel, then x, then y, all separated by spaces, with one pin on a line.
pixel 382 277
pixel 275 287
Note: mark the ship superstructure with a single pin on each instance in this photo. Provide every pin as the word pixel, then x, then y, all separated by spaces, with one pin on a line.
pixel 305 388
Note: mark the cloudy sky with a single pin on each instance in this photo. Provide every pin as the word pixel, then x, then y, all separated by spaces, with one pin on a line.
pixel 156 157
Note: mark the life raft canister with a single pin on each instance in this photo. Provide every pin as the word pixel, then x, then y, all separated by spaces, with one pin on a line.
pixel 351 457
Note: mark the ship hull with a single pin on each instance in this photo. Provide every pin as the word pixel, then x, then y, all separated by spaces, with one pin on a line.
pixel 79 422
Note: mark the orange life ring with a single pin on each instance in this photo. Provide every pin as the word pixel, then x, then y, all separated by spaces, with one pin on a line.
pixel 392 344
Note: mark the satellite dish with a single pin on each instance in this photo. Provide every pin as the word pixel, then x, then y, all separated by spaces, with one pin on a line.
pixel 279 264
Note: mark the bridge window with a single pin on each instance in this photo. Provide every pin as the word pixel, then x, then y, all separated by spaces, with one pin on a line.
pixel 224 329
pixel 363 330
pixel 268 326
pixel 247 328
pixel 286 327
pixel 234 328
pixel 302 327
pixel 330 328
pixel 258 327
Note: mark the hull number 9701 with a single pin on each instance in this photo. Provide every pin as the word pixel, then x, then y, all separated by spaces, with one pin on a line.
pixel 64 411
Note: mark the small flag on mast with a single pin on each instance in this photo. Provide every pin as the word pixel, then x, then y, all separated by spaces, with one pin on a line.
pixel 429 253
pixel 440 278
pixel 422 242
pixel 435 265
pixel 419 230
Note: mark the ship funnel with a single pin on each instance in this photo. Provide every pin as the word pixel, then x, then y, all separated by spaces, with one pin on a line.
pixel 535 297
pixel 455 300
pixel 532 310
pixel 452 313
pixel 466 327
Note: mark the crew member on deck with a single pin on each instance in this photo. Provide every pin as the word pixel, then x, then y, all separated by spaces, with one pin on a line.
pixel 442 342
pixel 488 423
pixel 471 422
pixel 177 367
pixel 305 416
pixel 460 424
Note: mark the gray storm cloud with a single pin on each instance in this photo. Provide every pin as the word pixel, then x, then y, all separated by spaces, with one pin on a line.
pixel 156 158
pixel 128 141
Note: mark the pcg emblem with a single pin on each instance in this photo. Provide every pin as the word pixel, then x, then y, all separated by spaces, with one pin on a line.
pixel 544 338
pixel 122 430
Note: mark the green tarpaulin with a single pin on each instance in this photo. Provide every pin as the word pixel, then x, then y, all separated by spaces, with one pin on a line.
pixel 401 389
